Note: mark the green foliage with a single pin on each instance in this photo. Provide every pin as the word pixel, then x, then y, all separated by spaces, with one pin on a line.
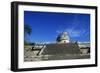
pixel 27 29
pixel 25 42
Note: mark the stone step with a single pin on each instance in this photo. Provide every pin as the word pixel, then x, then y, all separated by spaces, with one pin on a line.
pixel 67 48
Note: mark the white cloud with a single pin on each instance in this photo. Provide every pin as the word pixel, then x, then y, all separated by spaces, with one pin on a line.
pixel 75 33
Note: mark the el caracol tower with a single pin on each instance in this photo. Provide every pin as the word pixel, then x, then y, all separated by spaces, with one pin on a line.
pixel 63 38
pixel 62 49
pixel 63 46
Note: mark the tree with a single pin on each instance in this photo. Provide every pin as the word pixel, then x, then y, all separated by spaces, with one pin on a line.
pixel 27 31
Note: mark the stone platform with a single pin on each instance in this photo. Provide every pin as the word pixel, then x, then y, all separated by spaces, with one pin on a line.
pixel 64 48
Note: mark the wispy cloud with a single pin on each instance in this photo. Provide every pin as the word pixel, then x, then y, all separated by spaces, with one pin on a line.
pixel 58 31
pixel 75 32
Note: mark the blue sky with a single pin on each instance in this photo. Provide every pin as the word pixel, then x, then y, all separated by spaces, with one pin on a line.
pixel 47 25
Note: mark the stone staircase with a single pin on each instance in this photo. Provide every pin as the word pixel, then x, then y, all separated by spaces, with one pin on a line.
pixel 65 48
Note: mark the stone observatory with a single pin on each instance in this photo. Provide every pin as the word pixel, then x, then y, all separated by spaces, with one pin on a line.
pixel 63 37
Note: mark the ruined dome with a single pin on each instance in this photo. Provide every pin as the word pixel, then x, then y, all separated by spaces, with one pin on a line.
pixel 63 37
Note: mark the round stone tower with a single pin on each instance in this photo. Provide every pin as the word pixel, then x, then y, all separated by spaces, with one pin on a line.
pixel 63 38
